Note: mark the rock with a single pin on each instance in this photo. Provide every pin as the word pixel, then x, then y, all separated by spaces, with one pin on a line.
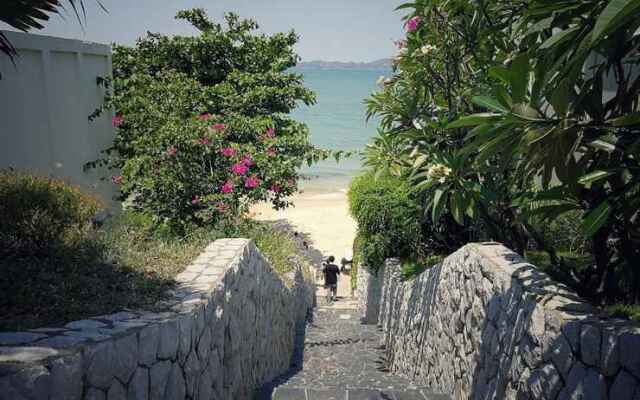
pixel 33 383
pixel 126 359
pixel 630 359
pixel 610 357
pixel 168 342
pixel 16 338
pixel 624 387
pixel 25 354
pixel 158 379
pixel 95 394
pixel 66 378
pixel 148 345
pixel 561 356
pixel 139 385
pixel 175 384
pixel 101 364
pixel 116 391
pixel 590 345
pixel 85 324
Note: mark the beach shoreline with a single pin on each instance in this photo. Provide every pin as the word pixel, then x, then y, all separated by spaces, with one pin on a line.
pixel 320 213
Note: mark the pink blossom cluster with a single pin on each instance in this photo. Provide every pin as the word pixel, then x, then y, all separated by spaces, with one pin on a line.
pixel 413 24
pixel 117 121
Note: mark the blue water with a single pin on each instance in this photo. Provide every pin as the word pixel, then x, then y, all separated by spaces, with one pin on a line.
pixel 337 121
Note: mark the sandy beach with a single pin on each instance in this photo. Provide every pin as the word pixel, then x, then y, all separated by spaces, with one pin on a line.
pixel 321 215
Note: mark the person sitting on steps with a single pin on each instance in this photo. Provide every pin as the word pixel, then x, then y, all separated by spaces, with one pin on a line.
pixel 331 272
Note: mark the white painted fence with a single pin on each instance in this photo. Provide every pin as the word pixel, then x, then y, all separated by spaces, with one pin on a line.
pixel 45 101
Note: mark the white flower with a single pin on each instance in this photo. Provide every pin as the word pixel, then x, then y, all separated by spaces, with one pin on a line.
pixel 419 124
pixel 439 173
pixel 380 81
pixel 388 81
pixel 427 48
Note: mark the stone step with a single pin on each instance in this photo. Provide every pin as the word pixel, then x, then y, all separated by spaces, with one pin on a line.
pixel 289 393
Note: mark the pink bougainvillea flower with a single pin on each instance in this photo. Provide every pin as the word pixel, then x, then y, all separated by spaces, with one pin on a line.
pixel 196 200
pixel 227 187
pixel 239 169
pixel 270 133
pixel 117 121
pixel 271 152
pixel 251 182
pixel 172 151
pixel 228 152
pixel 203 141
pixel 218 127
pixel 275 188
pixel 247 161
pixel 205 117
pixel 413 23
pixel 116 179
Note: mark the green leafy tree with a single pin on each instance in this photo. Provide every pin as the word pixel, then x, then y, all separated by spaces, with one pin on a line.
pixel 202 125
pixel 506 114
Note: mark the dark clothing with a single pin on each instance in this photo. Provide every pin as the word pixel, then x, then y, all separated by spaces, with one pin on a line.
pixel 331 272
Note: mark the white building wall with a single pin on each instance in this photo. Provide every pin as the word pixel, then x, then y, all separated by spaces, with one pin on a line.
pixel 45 101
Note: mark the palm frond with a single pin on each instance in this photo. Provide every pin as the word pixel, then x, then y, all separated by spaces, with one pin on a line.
pixel 26 15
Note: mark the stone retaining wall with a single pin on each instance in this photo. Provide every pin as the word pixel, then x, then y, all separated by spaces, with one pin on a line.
pixel 229 326
pixel 368 292
pixel 484 324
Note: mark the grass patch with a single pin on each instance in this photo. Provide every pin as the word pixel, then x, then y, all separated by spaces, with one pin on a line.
pixel 126 264
pixel 630 312
pixel 410 269
pixel 572 261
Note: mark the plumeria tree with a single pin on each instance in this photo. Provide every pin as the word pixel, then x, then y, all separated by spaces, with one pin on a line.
pixel 499 113
pixel 202 124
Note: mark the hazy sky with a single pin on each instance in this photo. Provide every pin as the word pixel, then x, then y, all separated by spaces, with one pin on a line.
pixel 343 30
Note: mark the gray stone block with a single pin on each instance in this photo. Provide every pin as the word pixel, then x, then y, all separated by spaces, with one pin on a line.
pixel 17 338
pixel 624 387
pixel 116 391
pixel 159 375
pixel 590 345
pixel 629 358
pixel 66 378
pixel 139 385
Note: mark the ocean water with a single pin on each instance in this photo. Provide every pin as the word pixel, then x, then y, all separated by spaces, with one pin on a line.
pixel 337 121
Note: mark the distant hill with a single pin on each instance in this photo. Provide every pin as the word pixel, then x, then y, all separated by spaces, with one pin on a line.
pixel 384 63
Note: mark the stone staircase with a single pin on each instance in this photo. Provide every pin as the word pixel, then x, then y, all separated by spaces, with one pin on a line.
pixel 339 358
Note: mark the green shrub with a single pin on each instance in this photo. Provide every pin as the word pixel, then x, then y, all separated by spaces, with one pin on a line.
pixel 631 312
pixel 202 125
pixel 40 214
pixel 388 218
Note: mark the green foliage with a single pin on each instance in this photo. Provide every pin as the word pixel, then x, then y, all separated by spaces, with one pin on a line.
pixel 40 215
pixel 506 116
pixel 631 312
pixel 202 130
pixel 410 269
pixel 387 217
pixel 128 263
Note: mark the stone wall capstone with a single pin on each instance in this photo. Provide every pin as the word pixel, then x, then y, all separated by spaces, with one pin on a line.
pixel 229 326
pixel 484 324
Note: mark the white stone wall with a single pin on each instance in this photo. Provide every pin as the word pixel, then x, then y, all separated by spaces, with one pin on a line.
pixel 368 291
pixel 45 101
pixel 484 324
pixel 229 326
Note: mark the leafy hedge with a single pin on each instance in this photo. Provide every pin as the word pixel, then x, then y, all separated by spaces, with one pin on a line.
pixel 388 218
pixel 40 215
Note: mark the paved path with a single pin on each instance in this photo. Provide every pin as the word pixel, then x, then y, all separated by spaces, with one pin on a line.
pixel 338 358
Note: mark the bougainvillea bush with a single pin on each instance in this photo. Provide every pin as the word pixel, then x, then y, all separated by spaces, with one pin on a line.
pixel 202 125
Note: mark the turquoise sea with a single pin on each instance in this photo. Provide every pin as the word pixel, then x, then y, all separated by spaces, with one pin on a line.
pixel 337 121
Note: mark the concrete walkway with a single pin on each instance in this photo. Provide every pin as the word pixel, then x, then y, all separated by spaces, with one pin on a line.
pixel 338 358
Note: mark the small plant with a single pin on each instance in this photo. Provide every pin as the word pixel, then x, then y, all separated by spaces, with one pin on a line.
pixel 387 216
pixel 40 215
